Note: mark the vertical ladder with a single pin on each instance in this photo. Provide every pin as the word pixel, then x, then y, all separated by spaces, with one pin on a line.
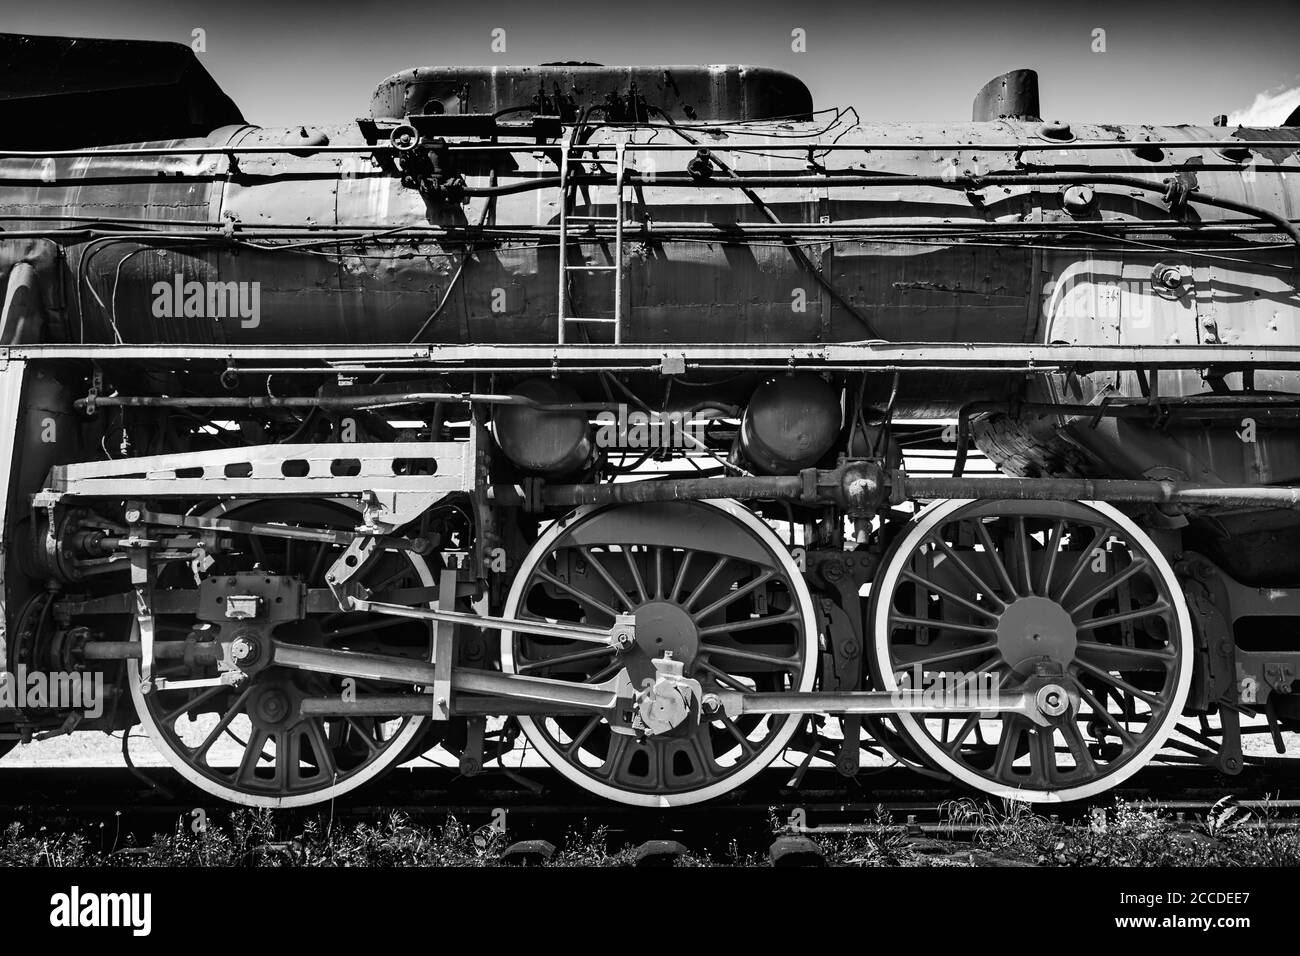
pixel 566 219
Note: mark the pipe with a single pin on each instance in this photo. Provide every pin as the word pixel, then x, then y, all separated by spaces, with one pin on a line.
pixel 385 400
pixel 979 182
pixel 199 652
pixel 1132 491
pixel 861 487
pixel 532 147
pixel 646 492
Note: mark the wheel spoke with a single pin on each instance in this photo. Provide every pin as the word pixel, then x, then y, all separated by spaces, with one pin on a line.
pixel 1107 654
pixel 1085 556
pixel 1005 757
pixel 365 734
pixel 901 620
pixel 633 567
pixel 1103 712
pixel 169 718
pixel 681 576
pixel 706 582
pixel 1042 755
pixel 732 596
pixel 722 677
pixel 964 568
pixel 948 595
pixel 246 771
pixel 1110 584
pixel 1160 607
pixel 578 595
pixel 1053 546
pixel 995 557
pixel 579 738
pixel 754 657
pixel 1022 551
pixel 745 743
pixel 1118 683
pixel 964 731
pixel 1078 748
pixel 608 578
pixel 320 748
pixel 749 624
pixel 200 752
pixel 944 657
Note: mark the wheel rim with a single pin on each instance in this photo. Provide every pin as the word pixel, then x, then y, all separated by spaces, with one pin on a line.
pixel 709 582
pixel 1019 590
pixel 288 760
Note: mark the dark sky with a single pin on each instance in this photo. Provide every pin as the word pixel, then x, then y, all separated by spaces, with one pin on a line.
pixel 285 61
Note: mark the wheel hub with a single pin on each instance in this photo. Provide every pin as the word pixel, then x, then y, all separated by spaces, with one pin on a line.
pixel 271 707
pixel 663 626
pixel 1035 627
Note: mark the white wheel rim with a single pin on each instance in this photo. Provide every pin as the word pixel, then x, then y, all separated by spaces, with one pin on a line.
pixel 395 748
pixel 762 759
pixel 922 524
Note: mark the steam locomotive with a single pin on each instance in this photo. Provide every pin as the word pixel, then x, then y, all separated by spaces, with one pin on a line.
pixel 587 408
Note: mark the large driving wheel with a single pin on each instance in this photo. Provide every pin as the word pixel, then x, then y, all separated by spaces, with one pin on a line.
pixel 709 583
pixel 1071 593
pixel 248 744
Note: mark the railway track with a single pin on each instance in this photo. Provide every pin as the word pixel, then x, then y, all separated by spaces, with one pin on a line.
pixel 540 805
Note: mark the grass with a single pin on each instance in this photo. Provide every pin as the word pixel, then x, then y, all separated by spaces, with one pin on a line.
pixel 1010 834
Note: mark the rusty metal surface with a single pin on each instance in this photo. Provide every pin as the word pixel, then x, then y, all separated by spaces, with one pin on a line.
pixel 688 93
pixel 678 290
pixel 1012 95
pixel 976 243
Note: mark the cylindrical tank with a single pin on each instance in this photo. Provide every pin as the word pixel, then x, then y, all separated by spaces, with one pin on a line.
pixel 790 423
pixel 543 441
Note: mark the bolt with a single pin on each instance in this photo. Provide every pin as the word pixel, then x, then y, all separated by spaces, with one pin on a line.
pixel 712 703
pixel 243 651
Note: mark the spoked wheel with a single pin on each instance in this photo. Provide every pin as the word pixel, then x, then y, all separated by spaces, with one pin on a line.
pixel 709 583
pixel 1071 593
pixel 248 744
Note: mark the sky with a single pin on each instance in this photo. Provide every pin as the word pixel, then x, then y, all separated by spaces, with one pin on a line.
pixel 291 62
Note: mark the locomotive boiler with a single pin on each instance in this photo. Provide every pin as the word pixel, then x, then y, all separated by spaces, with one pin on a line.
pixel 586 408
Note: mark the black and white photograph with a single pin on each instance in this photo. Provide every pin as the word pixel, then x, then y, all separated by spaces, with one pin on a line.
pixel 485 465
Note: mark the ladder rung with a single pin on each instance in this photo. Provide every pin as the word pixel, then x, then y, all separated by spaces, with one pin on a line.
pixel 569 268
pixel 585 318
